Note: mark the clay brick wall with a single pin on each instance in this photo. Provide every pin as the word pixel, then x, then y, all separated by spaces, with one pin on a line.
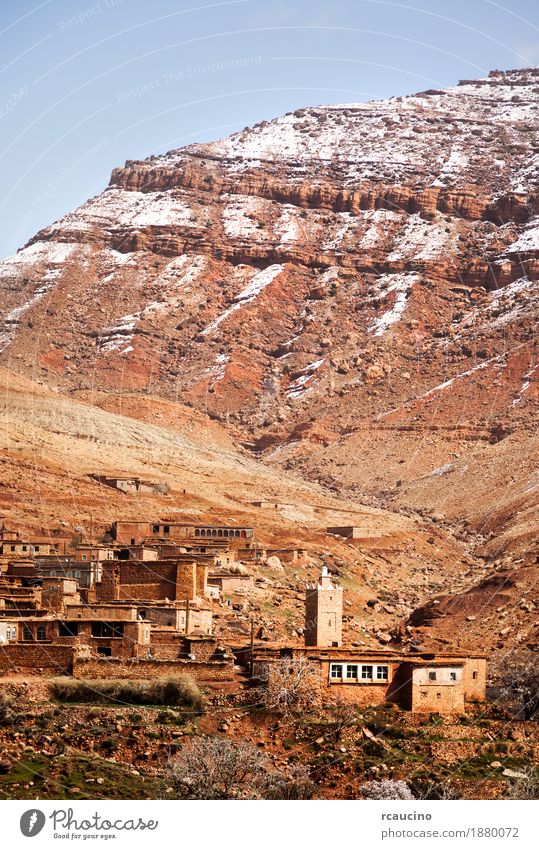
pixel 186 581
pixel 323 616
pixel 475 679
pixel 201 580
pixel 36 658
pixel 126 531
pixel 140 668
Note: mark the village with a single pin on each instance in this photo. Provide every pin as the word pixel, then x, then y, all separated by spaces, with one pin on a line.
pixel 144 604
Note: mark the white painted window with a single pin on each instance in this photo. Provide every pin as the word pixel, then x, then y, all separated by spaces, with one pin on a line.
pixel 365 673
pixel 336 670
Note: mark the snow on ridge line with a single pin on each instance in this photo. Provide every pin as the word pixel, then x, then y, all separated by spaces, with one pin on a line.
pixel 50 252
pixel 258 282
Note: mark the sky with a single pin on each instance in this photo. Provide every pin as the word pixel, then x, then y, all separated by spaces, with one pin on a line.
pixel 86 85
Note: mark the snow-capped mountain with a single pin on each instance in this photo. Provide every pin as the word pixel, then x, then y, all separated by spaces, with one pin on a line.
pixel 341 269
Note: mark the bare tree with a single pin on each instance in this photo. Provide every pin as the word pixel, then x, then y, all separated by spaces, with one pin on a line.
pixel 292 685
pixel 518 682
pixel 386 789
pixel 220 768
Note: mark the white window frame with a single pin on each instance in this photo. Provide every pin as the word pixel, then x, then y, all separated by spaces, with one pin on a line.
pixel 342 667
pixel 357 678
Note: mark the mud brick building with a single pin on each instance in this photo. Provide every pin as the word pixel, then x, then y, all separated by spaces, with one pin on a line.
pixel 131 486
pixel 135 532
pixel 171 580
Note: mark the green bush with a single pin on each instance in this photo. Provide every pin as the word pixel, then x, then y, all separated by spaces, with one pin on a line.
pixel 177 690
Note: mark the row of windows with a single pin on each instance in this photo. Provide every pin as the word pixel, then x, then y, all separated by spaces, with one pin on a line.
pixel 25 547
pixel 28 634
pixel 366 672
pixel 219 532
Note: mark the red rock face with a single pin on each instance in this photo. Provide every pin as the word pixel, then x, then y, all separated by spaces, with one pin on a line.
pixel 365 267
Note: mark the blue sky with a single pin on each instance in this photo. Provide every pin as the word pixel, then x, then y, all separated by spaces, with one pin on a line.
pixel 85 85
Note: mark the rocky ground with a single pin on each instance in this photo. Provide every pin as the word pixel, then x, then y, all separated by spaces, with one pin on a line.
pixel 53 750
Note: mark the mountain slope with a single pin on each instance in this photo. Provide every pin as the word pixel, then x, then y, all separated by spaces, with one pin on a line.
pixel 350 291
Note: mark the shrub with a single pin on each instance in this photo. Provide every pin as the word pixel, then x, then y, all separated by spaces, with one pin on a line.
pixel 386 789
pixel 526 787
pixel 180 690
pixel 6 709
pixel 219 768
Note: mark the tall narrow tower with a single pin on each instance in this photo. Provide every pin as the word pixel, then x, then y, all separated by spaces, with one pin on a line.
pixel 323 612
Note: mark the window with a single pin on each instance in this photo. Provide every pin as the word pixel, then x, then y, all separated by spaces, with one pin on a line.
pixel 351 671
pixel 166 529
pixel 83 557
pixel 105 651
pixel 452 676
pixel 27 633
pixel 336 670
pixel 36 547
pixel 107 629
pixel 438 695
pixel 382 673
pixel 41 632
pixel 12 547
pixel 68 629
pixel 132 541
pixel 432 676
pixel 366 673
pixel 155 529
pixel 25 548
pixel 475 675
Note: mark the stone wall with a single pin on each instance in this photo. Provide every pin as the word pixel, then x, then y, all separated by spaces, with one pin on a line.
pixel 111 667
pixel 36 658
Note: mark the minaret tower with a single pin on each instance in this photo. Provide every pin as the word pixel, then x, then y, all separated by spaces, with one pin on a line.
pixel 323 612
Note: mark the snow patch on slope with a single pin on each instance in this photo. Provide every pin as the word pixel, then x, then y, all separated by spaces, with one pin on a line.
pixel 258 282
pixel 402 285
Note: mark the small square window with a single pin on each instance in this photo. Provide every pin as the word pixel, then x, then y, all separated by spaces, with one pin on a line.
pixel 432 676
pixel 366 673
pixel 351 671
pixel 452 676
pixel 382 673
pixel 336 670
